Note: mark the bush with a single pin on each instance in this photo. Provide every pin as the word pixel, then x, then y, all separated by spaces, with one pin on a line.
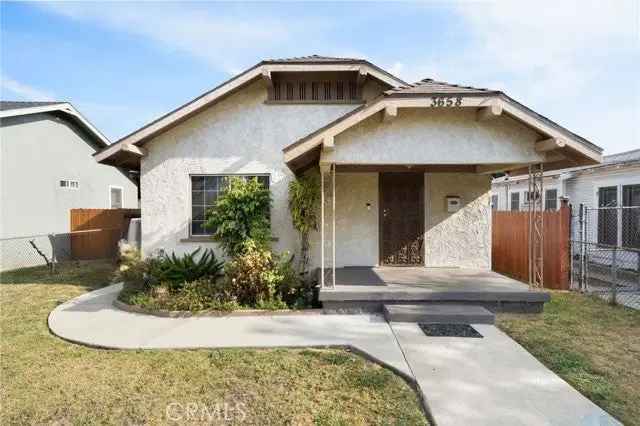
pixel 187 268
pixel 202 294
pixel 241 216
pixel 261 279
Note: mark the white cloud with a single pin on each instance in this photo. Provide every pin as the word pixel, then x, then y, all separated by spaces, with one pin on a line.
pixel 22 91
pixel 221 40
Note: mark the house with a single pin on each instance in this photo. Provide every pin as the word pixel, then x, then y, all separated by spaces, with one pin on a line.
pixel 615 182
pixel 611 193
pixel 47 169
pixel 406 168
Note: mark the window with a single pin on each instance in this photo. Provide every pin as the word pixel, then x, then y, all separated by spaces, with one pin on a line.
pixel 515 201
pixel 69 184
pixel 494 202
pixel 607 218
pixel 631 217
pixel 551 199
pixel 205 190
pixel 115 197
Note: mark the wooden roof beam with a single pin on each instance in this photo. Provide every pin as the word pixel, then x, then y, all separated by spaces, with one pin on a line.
pixel 549 144
pixel 489 112
pixel 389 113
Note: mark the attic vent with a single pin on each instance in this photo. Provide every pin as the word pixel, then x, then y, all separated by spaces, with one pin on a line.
pixel 339 90
pixel 353 90
pixel 302 91
pixel 327 90
pixel 289 91
pixel 276 95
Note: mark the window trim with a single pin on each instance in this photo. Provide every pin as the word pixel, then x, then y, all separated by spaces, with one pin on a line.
pixel 121 196
pixel 190 234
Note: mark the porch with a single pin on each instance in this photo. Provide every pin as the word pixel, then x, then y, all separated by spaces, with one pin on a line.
pixel 367 289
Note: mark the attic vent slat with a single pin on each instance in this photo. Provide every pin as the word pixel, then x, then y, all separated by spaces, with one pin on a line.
pixel 289 91
pixel 276 91
pixel 353 90
pixel 302 91
pixel 327 90
pixel 340 90
pixel 315 96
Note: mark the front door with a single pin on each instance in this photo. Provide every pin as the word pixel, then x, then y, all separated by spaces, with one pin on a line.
pixel 401 219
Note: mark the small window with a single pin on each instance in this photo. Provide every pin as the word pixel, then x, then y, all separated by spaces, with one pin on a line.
pixel 494 202
pixel 69 184
pixel 115 197
pixel 515 201
pixel 608 217
pixel 205 190
pixel 551 199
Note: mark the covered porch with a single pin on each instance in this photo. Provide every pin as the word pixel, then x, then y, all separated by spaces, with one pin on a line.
pixel 369 288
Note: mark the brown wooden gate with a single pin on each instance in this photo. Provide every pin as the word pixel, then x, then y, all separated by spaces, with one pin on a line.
pixel 510 246
pixel 95 232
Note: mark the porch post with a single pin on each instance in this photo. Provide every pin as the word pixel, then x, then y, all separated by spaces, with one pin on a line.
pixel 333 226
pixel 322 172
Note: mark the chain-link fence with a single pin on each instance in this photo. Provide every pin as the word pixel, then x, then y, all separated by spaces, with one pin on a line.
pixel 52 249
pixel 605 252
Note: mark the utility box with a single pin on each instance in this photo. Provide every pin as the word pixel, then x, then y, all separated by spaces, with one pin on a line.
pixel 453 203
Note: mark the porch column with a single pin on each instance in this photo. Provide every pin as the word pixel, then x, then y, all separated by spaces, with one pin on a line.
pixel 327 225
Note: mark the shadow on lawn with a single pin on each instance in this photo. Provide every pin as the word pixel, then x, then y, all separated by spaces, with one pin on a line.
pixel 88 274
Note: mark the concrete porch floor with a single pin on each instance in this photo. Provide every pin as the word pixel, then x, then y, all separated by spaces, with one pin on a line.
pixel 368 288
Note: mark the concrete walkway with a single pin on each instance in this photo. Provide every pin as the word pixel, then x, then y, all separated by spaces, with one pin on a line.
pixel 464 381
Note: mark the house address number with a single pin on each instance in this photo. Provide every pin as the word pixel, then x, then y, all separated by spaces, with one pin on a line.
pixel 446 101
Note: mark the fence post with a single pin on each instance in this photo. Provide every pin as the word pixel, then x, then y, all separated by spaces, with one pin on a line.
pixel 52 239
pixel 614 277
pixel 581 277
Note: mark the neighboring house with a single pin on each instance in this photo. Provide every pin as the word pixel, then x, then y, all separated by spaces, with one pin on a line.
pixel 47 167
pixel 412 163
pixel 615 182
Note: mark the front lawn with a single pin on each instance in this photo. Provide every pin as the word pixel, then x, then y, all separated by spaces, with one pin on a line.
pixel 47 380
pixel 590 344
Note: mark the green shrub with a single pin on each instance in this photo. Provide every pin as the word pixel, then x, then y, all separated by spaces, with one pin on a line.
pixel 262 279
pixel 304 203
pixel 186 268
pixel 241 216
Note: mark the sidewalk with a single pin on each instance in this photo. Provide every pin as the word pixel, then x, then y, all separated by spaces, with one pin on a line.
pixel 488 381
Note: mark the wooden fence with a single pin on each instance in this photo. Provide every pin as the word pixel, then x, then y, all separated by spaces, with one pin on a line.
pixel 95 232
pixel 510 246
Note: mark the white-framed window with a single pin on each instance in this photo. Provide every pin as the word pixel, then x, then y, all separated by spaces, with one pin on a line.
pixel 515 201
pixel 69 184
pixel 115 197
pixel 205 190
pixel 551 199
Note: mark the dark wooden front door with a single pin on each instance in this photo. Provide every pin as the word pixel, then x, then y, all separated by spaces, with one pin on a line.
pixel 401 218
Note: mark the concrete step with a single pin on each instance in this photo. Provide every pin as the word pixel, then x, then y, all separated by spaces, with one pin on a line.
pixel 435 313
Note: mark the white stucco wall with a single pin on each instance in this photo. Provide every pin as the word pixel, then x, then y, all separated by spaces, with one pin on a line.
pixel 37 151
pixel 240 135
pixel 435 136
pixel 462 238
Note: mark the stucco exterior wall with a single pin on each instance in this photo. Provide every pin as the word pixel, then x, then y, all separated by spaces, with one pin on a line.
pixel 462 238
pixel 37 151
pixel 435 136
pixel 356 224
pixel 239 135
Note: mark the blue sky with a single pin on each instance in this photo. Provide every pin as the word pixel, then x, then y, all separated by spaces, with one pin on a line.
pixel 123 64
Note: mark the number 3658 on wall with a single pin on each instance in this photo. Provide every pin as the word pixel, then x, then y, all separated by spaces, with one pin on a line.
pixel 446 101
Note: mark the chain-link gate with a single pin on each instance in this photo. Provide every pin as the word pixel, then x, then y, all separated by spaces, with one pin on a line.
pixel 605 252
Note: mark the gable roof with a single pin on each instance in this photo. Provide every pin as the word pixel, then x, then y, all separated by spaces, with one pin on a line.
pixel 18 108
pixel 429 86
pixel 263 69
pixel 13 105
pixel 417 94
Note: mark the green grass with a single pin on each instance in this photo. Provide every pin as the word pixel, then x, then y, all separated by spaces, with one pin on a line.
pixel 592 345
pixel 47 380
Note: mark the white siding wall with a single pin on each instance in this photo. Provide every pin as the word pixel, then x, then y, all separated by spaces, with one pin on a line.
pixel 37 151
